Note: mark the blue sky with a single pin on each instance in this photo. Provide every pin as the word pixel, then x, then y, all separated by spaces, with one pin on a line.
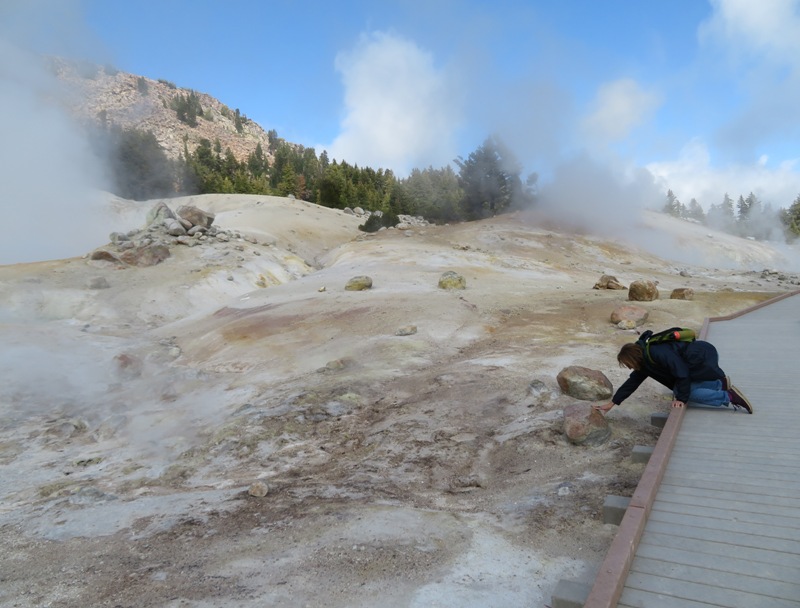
pixel 703 94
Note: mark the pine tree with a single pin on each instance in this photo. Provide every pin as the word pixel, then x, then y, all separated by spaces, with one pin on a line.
pixel 742 208
pixel 695 211
pixel 672 206
pixel 490 180
pixel 721 216
pixel 288 183
pixel 791 218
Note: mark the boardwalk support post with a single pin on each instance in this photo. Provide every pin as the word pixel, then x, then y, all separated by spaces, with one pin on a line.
pixel 641 453
pixel 614 509
pixel 659 419
pixel 570 594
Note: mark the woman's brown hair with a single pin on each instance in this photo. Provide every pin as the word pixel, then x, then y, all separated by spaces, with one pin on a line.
pixel 631 356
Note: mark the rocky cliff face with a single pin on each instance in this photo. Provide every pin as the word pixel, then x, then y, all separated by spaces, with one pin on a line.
pixel 97 94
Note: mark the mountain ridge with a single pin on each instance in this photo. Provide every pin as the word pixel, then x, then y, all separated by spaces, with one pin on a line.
pixel 95 95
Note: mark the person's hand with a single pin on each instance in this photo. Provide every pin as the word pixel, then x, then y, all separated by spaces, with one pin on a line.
pixel 603 409
pixel 677 403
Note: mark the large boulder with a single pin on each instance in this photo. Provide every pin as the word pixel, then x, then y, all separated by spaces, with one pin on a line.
pixel 643 291
pixel 584 383
pixel 583 425
pixel 196 216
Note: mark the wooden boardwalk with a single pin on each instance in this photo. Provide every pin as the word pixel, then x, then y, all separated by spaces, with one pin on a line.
pixel 716 518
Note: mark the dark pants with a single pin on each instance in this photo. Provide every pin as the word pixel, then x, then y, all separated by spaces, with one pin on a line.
pixel 703 361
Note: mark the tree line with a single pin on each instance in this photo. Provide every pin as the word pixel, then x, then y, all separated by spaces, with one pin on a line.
pixel 747 217
pixel 488 182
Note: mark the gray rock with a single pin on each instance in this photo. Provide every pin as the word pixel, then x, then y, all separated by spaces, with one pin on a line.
pixel 159 213
pixel 359 283
pixel 452 280
pixel 175 228
pixel 258 489
pixel 584 383
pixel 541 394
pixel 145 255
pixel 197 217
pixel 584 425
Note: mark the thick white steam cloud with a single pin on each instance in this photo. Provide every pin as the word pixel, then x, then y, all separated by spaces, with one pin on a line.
pixel 49 178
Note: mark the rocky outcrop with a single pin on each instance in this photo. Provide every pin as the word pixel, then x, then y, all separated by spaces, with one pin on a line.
pixel 404 222
pixel 132 101
pixel 151 245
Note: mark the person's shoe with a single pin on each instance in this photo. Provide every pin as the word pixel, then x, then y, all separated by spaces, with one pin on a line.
pixel 726 383
pixel 739 400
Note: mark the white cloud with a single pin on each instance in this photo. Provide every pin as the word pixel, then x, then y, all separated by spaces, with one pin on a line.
pixel 693 176
pixel 770 28
pixel 398 110
pixel 619 107
pixel 760 42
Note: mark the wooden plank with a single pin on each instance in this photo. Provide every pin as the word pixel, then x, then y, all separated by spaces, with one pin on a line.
pixel 732 539
pixel 635 598
pixel 710 452
pixel 738 516
pixel 717 577
pixel 722 523
pixel 735 461
pixel 778 453
pixel 741 569
pixel 754 435
pixel 729 494
pixel 691 591
pixel 725 506
pixel 704 480
pixel 716 550
pixel 738 473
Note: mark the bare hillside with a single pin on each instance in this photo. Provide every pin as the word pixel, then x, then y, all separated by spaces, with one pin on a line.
pixel 232 427
pixel 103 94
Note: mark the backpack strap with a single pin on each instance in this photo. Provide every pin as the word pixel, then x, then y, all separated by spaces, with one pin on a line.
pixel 644 343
